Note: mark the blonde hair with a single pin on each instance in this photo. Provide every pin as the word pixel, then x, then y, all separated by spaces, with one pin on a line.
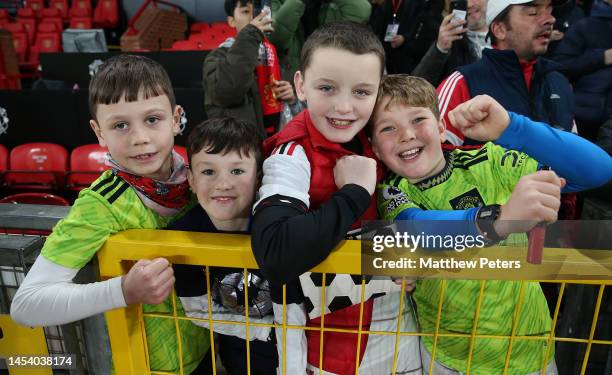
pixel 402 89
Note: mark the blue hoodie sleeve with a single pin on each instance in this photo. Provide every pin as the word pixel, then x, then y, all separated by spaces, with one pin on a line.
pixel 583 164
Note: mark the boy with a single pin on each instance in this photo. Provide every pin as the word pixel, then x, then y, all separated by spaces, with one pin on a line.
pixel 316 185
pixel 229 71
pixel 407 135
pixel 225 158
pixel 134 115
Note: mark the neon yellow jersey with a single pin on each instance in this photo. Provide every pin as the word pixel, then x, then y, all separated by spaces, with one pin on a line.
pixel 471 179
pixel 108 206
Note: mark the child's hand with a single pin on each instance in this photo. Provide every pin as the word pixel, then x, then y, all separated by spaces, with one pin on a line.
pixel 410 283
pixel 263 22
pixel 148 281
pixel 536 198
pixel 355 169
pixel 480 118
pixel 284 91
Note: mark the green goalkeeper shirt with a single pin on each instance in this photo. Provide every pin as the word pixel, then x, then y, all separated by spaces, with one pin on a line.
pixel 108 206
pixel 471 179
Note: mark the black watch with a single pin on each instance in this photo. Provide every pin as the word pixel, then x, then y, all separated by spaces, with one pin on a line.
pixel 485 220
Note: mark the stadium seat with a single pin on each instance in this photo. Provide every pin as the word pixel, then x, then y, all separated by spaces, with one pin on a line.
pixel 4 17
pixel 35 198
pixel 52 15
pixel 37 166
pixel 48 39
pixel 35 5
pixel 62 5
pixel 86 164
pixel 4 158
pixel 106 14
pixel 20 40
pixel 81 23
pixel 80 8
pixel 27 17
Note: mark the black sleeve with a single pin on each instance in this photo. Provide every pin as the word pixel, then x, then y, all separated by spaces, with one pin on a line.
pixel 190 281
pixel 288 240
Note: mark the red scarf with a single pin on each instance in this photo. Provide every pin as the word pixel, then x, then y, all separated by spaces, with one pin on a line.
pixel 164 197
pixel 165 194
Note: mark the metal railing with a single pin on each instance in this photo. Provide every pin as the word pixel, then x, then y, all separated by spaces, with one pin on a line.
pixel 126 328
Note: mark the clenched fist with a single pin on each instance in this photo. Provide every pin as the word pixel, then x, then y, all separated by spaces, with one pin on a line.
pixel 354 169
pixel 148 281
pixel 480 118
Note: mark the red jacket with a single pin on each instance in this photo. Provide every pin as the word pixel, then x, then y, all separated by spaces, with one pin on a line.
pixel 340 348
pixel 322 155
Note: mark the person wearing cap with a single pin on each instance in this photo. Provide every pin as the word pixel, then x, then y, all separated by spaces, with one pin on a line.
pixel 513 72
pixel 457 45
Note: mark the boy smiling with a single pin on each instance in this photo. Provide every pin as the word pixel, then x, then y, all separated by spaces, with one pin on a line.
pixel 495 190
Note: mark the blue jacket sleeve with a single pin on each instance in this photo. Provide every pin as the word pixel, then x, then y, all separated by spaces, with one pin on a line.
pixel 583 164
pixel 438 222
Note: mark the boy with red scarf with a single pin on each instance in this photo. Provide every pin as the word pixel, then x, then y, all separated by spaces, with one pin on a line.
pixel 318 184
pixel 242 77
pixel 135 115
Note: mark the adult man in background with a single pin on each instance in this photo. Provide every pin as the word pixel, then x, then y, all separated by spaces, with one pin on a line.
pixel 456 45
pixel 513 72
pixel 586 54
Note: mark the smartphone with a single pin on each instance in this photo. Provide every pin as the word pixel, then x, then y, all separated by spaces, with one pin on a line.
pixel 260 6
pixel 459 9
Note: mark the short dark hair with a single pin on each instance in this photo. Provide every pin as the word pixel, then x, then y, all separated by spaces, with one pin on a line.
pixel 124 76
pixel 501 17
pixel 226 134
pixel 344 35
pixel 231 5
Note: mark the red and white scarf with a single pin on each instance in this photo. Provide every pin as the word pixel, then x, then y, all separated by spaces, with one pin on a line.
pixel 164 197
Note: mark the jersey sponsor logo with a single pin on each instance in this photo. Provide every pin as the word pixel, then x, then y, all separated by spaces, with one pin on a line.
pixel 394 197
pixel 469 199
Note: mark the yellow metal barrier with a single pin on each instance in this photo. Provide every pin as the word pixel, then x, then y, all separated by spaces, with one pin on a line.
pixel 126 326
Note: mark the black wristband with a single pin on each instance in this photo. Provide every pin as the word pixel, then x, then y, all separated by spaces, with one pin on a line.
pixel 485 219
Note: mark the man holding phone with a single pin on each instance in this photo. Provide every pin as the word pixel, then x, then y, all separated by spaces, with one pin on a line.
pixel 461 39
pixel 513 72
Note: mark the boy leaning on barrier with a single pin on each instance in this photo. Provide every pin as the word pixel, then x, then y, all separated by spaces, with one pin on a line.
pixel 501 179
pixel 134 115
pixel 225 157
pixel 318 182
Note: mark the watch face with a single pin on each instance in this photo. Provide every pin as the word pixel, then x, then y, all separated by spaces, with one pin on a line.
pixel 486 213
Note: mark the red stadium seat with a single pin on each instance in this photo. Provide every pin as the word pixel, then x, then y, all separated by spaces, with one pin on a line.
pixel 62 5
pixel 35 5
pixel 37 166
pixel 4 16
pixel 35 198
pixel 81 23
pixel 48 39
pixel 20 40
pixel 80 8
pixel 106 14
pixel 86 164
pixel 27 17
pixel 52 15
pixel 4 158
